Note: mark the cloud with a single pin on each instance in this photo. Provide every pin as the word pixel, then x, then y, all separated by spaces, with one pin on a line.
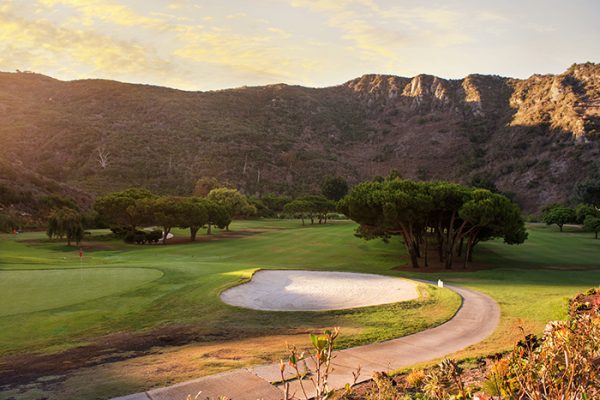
pixel 43 45
pixel 174 51
pixel 489 16
pixel 254 55
pixel 109 12
pixel 388 31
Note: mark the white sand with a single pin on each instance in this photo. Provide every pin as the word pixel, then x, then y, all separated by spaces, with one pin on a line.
pixel 316 291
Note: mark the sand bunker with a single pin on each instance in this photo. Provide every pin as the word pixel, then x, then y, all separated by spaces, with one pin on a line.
pixel 317 291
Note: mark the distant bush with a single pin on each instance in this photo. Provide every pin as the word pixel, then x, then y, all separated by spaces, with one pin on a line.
pixel 154 236
pixel 7 223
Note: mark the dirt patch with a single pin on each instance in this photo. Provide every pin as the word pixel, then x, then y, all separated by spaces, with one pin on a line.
pixel 24 368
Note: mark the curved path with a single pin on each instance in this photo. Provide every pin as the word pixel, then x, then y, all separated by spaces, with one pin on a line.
pixel 476 319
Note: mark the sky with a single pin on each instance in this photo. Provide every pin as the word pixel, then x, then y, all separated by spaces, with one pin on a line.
pixel 217 44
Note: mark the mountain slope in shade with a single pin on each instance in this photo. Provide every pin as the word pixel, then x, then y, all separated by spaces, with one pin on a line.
pixel 533 137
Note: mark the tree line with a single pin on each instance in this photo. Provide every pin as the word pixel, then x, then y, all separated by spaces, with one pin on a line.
pixel 446 217
pixel 212 204
pixel 587 215
pixel 131 209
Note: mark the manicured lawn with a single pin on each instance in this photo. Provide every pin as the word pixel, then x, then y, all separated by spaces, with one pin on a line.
pixel 27 291
pixel 54 302
pixel 50 301
pixel 546 247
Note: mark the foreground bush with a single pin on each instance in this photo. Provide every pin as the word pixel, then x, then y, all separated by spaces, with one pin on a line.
pixel 563 363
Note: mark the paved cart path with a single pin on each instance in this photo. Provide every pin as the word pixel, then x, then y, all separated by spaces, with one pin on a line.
pixel 476 319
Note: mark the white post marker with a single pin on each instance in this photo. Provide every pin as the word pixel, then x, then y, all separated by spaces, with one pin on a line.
pixel 440 283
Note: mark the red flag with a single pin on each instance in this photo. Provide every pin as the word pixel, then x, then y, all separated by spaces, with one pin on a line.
pixel 80 253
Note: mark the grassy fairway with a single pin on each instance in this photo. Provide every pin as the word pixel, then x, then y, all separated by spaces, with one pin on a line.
pixel 161 288
pixel 27 291
pixel 52 302
pixel 122 287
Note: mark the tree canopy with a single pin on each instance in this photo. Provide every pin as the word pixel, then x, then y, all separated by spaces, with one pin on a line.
pixel 66 223
pixel 592 224
pixel 446 213
pixel 233 201
pixel 334 188
pixel 118 208
pixel 559 215
pixel 125 211
pixel 311 207
pixel 587 191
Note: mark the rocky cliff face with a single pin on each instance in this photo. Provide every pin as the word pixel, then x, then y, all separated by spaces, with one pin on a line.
pixel 534 137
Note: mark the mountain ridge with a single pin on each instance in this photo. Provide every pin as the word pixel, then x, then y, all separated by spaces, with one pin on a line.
pixel 529 136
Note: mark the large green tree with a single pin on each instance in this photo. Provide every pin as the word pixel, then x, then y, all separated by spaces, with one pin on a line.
pixel 194 215
pixel 445 213
pixel 167 212
pixel 233 201
pixel 583 210
pixel 217 216
pixel 559 215
pixel 592 224
pixel 65 223
pixel 298 209
pixel 120 209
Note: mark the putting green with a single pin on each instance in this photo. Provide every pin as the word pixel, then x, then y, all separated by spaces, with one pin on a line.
pixel 24 291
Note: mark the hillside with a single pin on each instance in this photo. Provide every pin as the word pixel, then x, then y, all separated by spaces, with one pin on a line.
pixel 533 137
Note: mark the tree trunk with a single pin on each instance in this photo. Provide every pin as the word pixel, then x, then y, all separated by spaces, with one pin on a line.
pixel 193 232
pixel 560 227
pixel 467 251
pixel 448 262
pixel 227 228
pixel 596 234
pixel 166 233
pixel 417 248
pixel 312 221
pixel 440 243
pixel 209 230
pixel 460 246
pixel 449 243
pixel 470 257
pixel 302 220
pixel 413 258
pixel 410 244
pixel 426 252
